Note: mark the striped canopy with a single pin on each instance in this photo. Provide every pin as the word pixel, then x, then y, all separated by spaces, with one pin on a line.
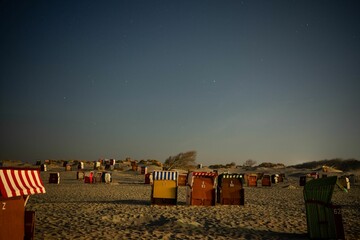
pixel 199 175
pixel 19 182
pixel 165 175
pixel 223 176
pixel 231 175
pixel 204 174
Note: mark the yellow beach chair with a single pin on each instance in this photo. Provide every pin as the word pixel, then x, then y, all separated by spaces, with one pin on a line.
pixel 164 188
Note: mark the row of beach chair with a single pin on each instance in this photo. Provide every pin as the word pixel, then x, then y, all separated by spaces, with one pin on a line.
pixel 203 188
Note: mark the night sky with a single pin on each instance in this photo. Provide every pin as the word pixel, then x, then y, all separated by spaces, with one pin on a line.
pixel 272 81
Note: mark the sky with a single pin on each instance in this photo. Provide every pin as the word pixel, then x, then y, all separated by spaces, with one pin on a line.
pixel 271 81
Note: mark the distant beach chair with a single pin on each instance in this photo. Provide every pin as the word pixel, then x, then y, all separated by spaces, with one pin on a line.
pixel 80 165
pixel 182 179
pixel 97 165
pixel 344 182
pixel 68 167
pixel 230 189
pixel 266 180
pixel 274 178
pixel 80 175
pixel 54 177
pixel 164 187
pixel 106 177
pixel 281 177
pixel 89 177
pixel 324 220
pixel 143 170
pixel 304 179
pixel 98 177
pixel 43 168
pixel 252 180
pixel 147 178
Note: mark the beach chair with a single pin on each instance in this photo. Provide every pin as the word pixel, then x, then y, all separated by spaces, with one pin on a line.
pixel 143 170
pixel 324 220
pixel 80 165
pixel 344 182
pixel 252 180
pixel 281 177
pixel 304 179
pixel 182 179
pixel 201 188
pixel 80 175
pixel 98 177
pixel 106 177
pixel 274 178
pixel 97 165
pixel 68 167
pixel 89 177
pixel 164 188
pixel 230 189
pixel 54 177
pixel 147 178
pixel 266 180
pixel 16 186
pixel 43 168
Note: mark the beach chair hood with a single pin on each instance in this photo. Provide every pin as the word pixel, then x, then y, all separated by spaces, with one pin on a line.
pixel 164 187
pixel 228 175
pixel 20 182
pixel 202 174
pixel 165 175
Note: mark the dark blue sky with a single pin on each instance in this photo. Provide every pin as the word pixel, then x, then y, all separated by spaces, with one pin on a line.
pixel 274 81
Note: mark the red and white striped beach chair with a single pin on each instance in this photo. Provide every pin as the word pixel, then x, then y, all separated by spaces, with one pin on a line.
pixel 16 185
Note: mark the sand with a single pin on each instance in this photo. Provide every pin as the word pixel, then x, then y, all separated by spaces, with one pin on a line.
pixel 122 210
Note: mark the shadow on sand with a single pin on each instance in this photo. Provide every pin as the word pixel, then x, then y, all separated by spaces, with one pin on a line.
pixel 173 229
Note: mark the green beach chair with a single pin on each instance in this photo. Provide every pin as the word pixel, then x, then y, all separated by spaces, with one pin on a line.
pixel 324 220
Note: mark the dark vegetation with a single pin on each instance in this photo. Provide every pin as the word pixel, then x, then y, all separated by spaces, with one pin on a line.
pixel 217 166
pixel 338 163
pixel 181 161
pixel 150 162
pixel 249 164
pixel 271 165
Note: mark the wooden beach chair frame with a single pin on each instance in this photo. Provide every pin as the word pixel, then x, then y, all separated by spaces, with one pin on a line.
pixel 164 189
pixel 201 188
pixel 230 189
pixel 324 220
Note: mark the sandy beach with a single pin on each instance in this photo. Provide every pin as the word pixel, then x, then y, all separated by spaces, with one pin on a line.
pixel 122 210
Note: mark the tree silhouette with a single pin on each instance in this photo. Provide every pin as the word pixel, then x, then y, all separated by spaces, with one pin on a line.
pixel 249 163
pixel 182 161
